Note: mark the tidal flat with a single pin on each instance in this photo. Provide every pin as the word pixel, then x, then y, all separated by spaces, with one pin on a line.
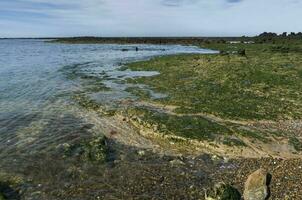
pixel 228 100
pixel 152 123
pixel 252 98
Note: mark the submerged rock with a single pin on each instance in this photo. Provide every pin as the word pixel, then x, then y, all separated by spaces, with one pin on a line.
pixel 256 186
pixel 93 150
pixel 8 190
pixel 222 191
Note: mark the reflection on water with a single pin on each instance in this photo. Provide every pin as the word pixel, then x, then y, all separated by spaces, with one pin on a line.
pixel 38 113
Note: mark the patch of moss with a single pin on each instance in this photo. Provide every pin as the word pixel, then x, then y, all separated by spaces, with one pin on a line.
pixel 257 86
pixel 2 197
pixel 139 92
pixel 252 87
pixel 9 187
pixel 177 140
pixel 195 127
pixel 91 82
pixel 86 102
pixel 231 141
pixel 296 143
pixel 94 87
pixel 90 104
pixel 254 134
pixel 223 191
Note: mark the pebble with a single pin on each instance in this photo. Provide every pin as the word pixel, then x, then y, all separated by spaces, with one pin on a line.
pixel 176 162
pixel 141 153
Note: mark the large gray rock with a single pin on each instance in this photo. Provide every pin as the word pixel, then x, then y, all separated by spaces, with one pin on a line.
pixel 223 191
pixel 256 186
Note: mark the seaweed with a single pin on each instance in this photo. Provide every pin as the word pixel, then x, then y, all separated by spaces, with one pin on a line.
pixel 296 143
pixel 94 150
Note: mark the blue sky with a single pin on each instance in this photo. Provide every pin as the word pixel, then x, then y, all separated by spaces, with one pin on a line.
pixel 50 18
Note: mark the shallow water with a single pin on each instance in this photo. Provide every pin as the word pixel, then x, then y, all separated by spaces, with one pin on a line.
pixel 38 81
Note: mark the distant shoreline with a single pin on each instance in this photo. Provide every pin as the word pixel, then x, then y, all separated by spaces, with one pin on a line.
pixel 83 37
pixel 146 40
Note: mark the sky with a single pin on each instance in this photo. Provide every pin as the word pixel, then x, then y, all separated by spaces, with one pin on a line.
pixel 58 18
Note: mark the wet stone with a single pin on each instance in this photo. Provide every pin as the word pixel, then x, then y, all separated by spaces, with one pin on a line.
pixel 176 162
pixel 141 153
pixel 256 186
pixel 94 150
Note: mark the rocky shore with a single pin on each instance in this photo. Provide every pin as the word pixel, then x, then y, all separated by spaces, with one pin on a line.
pixel 227 128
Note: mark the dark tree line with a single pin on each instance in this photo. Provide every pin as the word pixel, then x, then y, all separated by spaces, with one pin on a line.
pixel 284 34
pixel 274 37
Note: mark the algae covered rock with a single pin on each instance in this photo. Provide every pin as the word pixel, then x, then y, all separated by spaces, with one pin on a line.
pixel 176 162
pixel 8 188
pixel 222 191
pixel 93 150
pixel 256 186
pixel 96 150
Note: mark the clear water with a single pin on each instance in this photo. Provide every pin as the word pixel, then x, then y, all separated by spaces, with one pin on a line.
pixel 38 79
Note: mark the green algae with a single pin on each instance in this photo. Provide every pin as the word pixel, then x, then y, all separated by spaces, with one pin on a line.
pixel 196 127
pixel 139 92
pixel 223 191
pixel 9 186
pixel 2 197
pixel 263 83
pixel 296 143
pixel 90 104
pixel 86 102
pixel 231 87
pixel 94 150
pixel 192 127
pixel 253 134
pixel 91 82
pixel 232 141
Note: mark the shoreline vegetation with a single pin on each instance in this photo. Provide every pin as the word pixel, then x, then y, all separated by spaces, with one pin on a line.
pixel 244 102
pixel 223 116
pixel 145 40
pixel 246 97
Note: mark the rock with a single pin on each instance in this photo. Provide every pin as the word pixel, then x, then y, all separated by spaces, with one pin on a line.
pixel 222 191
pixel 7 190
pixel 176 162
pixel 155 128
pixel 95 150
pixel 241 52
pixel 216 158
pixel 256 186
pixel 141 153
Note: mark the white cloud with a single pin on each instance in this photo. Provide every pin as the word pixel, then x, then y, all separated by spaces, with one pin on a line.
pixel 147 17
